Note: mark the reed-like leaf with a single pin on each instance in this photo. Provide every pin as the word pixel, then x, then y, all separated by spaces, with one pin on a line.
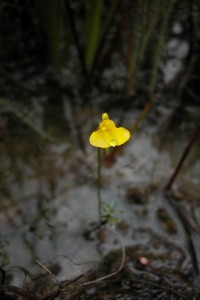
pixel 107 24
pixel 92 29
pixel 10 107
pixel 145 16
pixel 166 11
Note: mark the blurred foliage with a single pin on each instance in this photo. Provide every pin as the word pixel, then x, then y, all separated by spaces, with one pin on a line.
pixel 49 14
pixel 64 48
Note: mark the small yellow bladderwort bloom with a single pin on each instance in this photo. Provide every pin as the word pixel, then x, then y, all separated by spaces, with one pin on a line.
pixel 108 135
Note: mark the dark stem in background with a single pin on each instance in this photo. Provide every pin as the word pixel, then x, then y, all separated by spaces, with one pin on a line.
pixel 191 232
pixel 3 276
pixel 99 184
pixel 76 37
pixel 111 157
pixel 183 157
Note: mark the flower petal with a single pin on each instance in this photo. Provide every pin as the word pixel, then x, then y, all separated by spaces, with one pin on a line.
pixel 99 139
pixel 122 135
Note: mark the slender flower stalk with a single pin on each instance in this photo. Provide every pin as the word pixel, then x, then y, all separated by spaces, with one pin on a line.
pixel 99 184
pixel 107 135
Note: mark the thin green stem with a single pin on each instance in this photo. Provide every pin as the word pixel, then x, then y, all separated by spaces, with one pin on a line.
pixel 99 184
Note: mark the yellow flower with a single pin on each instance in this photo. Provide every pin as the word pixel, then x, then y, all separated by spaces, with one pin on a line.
pixel 108 134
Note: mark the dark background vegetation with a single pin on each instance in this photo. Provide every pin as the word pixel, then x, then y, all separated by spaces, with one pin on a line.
pixel 83 49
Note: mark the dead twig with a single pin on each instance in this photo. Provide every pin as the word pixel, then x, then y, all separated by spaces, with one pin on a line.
pixel 97 226
pixel 109 159
pixel 183 157
pixel 114 273
pixel 48 271
pixel 62 285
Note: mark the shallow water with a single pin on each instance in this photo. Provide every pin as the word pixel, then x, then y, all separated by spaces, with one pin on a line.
pixel 49 196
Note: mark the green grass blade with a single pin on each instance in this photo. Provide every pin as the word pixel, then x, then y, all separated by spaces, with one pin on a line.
pixel 92 32
pixel 160 42
pixel 12 109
